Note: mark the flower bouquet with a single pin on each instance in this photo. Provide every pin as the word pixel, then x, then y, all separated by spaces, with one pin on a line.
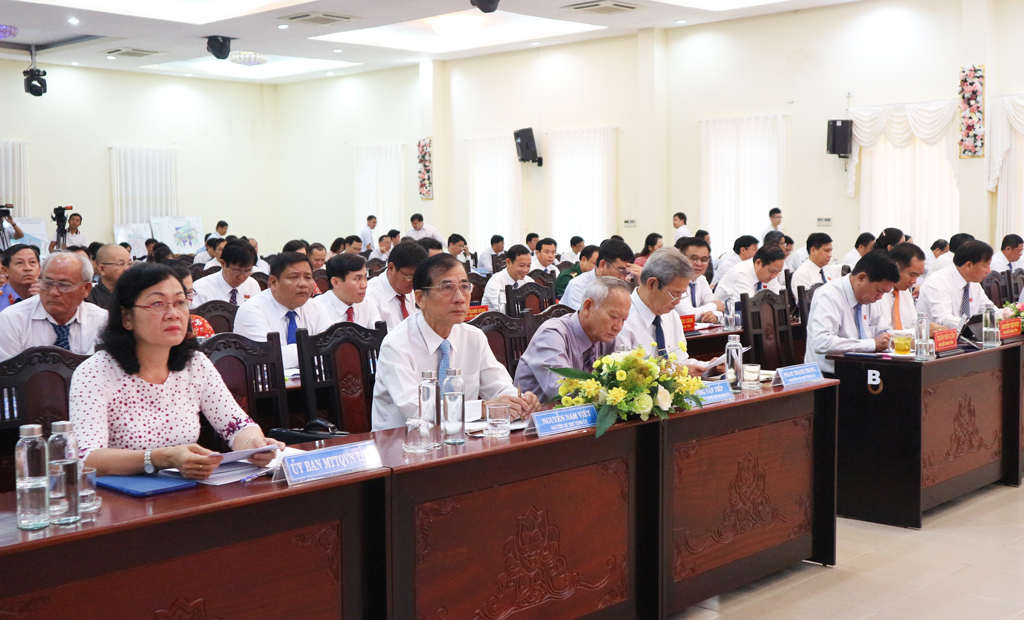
pixel 1010 310
pixel 630 383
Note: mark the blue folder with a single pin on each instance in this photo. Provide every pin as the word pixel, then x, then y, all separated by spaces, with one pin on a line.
pixel 143 485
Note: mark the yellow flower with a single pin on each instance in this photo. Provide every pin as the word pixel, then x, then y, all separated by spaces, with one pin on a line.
pixel 682 346
pixel 616 396
pixel 563 389
pixel 579 400
pixel 597 364
pixel 591 388
pixel 566 401
pixel 621 375
pixel 672 357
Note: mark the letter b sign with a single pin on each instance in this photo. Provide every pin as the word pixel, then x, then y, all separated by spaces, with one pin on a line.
pixel 875 382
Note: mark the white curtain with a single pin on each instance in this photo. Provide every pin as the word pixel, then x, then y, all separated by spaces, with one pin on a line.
pixel 14 176
pixel 380 186
pixel 495 191
pixel 909 158
pixel 1005 162
pixel 581 184
pixel 743 164
pixel 143 183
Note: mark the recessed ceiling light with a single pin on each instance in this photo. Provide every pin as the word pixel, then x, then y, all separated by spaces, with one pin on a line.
pixel 337 51
pixel 73 21
pixel 283 27
pixel 458 31
pixel 74 64
pixel 535 43
pixel 330 73
pixel 680 21
pixel 276 67
pixel 111 57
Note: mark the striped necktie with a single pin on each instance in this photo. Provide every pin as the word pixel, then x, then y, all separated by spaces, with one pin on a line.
pixel 62 336
pixel 965 302
pixel 693 294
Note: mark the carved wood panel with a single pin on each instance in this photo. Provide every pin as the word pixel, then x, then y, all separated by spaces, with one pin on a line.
pixel 284 576
pixel 961 425
pixel 740 493
pixel 547 548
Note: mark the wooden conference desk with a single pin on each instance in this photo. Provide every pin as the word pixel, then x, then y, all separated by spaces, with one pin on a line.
pixel 648 519
pixel 913 435
pixel 710 343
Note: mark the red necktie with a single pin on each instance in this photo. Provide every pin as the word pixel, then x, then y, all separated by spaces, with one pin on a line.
pixel 349 314
pixel 405 311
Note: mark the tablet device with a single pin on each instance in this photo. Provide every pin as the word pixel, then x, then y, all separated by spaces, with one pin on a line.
pixel 143 485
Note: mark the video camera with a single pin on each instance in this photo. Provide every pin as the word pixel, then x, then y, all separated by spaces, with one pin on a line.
pixel 5 213
pixel 59 217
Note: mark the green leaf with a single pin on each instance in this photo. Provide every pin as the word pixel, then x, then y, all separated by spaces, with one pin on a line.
pixel 605 418
pixel 572 373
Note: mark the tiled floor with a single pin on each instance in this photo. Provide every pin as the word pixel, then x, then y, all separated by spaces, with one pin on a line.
pixel 966 563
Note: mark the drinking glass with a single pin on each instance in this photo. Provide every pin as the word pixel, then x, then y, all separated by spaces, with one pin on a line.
pixel 903 341
pixel 752 377
pixel 88 500
pixel 499 420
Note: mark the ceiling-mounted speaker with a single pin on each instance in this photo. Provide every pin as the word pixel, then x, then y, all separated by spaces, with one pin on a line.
pixel 487 6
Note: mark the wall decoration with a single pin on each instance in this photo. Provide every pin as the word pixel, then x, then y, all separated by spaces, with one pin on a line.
pixel 36 232
pixel 134 234
pixel 426 170
pixel 972 111
pixel 183 234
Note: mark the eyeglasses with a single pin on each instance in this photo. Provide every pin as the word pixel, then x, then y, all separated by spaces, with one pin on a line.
pixel 407 277
pixel 241 272
pixel 190 294
pixel 179 305
pixel 448 288
pixel 703 260
pixel 121 264
pixel 64 287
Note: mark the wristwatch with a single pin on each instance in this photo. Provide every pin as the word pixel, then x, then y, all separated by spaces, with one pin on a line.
pixel 147 462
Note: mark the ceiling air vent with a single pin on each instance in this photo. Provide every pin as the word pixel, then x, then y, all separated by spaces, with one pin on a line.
pixel 318 19
pixel 129 52
pixel 602 7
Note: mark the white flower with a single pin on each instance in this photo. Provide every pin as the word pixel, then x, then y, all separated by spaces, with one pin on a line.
pixel 602 396
pixel 663 399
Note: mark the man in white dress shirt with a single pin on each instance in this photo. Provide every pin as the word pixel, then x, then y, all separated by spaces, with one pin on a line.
pixel 485 260
pixel 938 248
pixel 57 315
pixel 653 321
pixel 865 243
pixel 73 235
pixel 9 229
pixel 614 259
pixel 344 301
pixel 760 272
pixel 949 294
pixel 679 223
pixel 261 265
pixel 844 315
pixel 204 256
pixel 576 245
pixel 531 242
pixel 743 249
pixel 218 247
pixel 946 260
pixel 369 241
pixel 699 299
pixel 391 292
pixel 774 221
pixel 437 339
pixel 517 265
pixel 544 257
pixel 420 230
pixel 220 231
pixel 318 255
pixel 816 269
pixel 1008 258
pixel 383 248
pixel 457 248
pixel 284 307
pixel 232 283
pixel 897 307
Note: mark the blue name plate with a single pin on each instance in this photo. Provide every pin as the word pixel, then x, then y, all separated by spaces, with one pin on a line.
pixel 795 375
pixel 563 420
pixel 333 461
pixel 715 392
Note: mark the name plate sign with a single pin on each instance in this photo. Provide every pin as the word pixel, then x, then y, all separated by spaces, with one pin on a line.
pixel 795 375
pixel 689 322
pixel 475 311
pixel 945 340
pixel 1010 328
pixel 715 392
pixel 329 462
pixel 563 420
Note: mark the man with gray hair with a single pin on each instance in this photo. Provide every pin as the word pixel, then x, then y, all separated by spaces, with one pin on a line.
pixel 575 340
pixel 653 321
pixel 56 316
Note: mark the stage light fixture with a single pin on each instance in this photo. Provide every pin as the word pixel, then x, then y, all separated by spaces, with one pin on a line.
pixel 8 32
pixel 220 47
pixel 35 82
pixel 487 6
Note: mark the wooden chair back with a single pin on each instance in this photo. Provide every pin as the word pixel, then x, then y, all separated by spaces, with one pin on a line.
pixel 479 283
pixel 219 314
pixel 505 335
pixel 375 267
pixel 366 253
pixel 1015 282
pixel 261 279
pixel 497 262
pixel 206 272
pixel 339 368
pixel 541 277
pixel 196 269
pixel 534 321
pixel 767 329
pixel 254 374
pixel 34 389
pixel 804 296
pixel 997 287
pixel 530 297
pixel 322 281
pixel 562 266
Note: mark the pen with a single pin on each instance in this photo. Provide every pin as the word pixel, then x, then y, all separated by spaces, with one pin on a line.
pixel 252 477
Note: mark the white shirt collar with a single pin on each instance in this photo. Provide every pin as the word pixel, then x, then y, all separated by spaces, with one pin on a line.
pixel 646 314
pixel 958 278
pixel 40 313
pixel 847 288
pixel 431 339
pixel 280 310
pixel 336 302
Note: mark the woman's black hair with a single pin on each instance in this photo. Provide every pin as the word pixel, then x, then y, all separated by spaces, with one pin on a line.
pixel 118 341
pixel 162 252
pixel 649 243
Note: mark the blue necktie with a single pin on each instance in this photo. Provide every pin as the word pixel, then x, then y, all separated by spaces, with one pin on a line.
pixel 860 323
pixel 659 337
pixel 234 296
pixel 823 278
pixel 759 286
pixel 693 294
pixel 965 303
pixel 62 336
pixel 442 364
pixel 291 314
pixel 515 285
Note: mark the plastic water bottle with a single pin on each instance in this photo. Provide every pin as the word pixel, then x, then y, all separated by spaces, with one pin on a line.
pixel 419 430
pixel 33 481
pixel 64 474
pixel 922 336
pixel 453 423
pixel 990 327
pixel 734 363
pixel 730 314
